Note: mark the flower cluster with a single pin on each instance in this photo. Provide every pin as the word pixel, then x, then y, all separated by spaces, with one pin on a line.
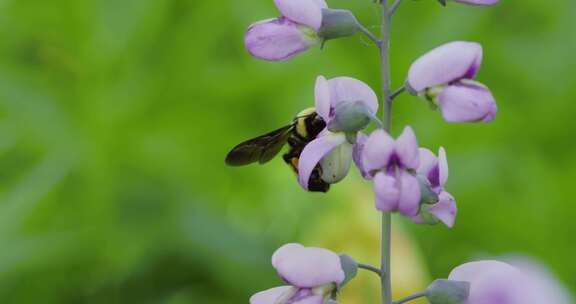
pixel 406 178
pixel 398 168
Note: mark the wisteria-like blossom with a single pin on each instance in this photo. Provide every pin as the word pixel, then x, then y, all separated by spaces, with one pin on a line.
pixel 284 37
pixel 445 76
pixel 495 282
pixel 333 150
pixel 391 165
pixel 313 273
pixel 435 171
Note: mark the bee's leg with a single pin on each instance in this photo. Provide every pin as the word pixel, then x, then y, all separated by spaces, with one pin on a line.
pixel 316 184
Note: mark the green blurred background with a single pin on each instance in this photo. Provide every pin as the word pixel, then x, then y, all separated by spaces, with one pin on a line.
pixel 115 117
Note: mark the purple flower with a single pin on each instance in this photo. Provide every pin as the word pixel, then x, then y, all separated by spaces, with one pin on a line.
pixel 391 163
pixel 494 282
pixel 313 273
pixel 333 150
pixel 444 76
pixel 284 37
pixel 479 2
pixel 435 171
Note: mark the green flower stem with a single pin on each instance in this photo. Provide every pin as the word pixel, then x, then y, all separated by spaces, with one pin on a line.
pixel 368 33
pixel 399 91
pixel 394 7
pixel 385 269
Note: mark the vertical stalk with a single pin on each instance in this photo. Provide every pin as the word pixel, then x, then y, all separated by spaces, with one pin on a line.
pixel 385 279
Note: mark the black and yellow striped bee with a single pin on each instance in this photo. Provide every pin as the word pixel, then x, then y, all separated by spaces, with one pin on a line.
pixel 303 129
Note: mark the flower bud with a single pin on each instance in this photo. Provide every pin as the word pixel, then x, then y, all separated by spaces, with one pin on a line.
pixel 350 117
pixel 337 23
pixel 448 292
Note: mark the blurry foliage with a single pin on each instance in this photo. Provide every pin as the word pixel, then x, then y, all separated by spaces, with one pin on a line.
pixel 115 117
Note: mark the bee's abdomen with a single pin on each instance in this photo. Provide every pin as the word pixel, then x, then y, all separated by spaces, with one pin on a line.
pixel 292 158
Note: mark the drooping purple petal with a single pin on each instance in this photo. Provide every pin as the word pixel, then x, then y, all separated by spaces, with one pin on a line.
pixel 314 152
pixel 409 199
pixel 479 2
pixel 469 102
pixel 407 149
pixel 307 267
pixel 442 166
pixel 357 152
pixel 272 295
pixel 277 39
pixel 445 210
pixel 347 89
pixel 445 64
pixel 387 192
pixel 307 12
pixel 322 98
pixel 378 149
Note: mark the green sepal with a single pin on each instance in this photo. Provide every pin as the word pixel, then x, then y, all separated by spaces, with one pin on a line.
pixel 350 117
pixel 448 292
pixel 350 268
pixel 337 23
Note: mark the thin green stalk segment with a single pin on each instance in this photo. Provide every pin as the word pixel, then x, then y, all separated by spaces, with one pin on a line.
pixel 369 268
pixel 410 298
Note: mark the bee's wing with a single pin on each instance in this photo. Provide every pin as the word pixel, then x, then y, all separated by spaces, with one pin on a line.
pixel 260 149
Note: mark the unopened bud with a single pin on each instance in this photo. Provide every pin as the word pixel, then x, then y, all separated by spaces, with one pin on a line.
pixel 337 23
pixel 448 292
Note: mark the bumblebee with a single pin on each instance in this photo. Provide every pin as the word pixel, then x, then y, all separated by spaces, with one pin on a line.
pixel 303 129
